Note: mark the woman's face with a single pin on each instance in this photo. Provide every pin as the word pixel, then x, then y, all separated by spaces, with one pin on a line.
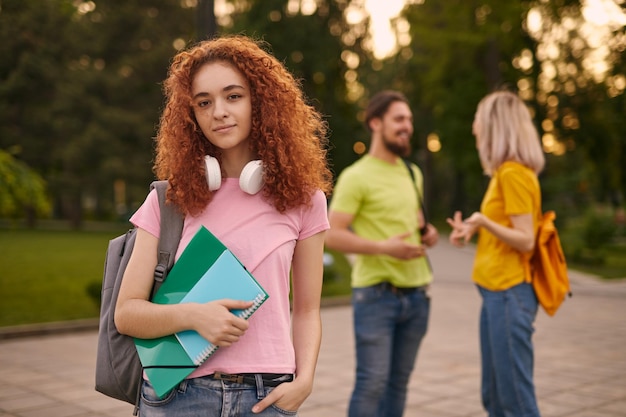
pixel 222 104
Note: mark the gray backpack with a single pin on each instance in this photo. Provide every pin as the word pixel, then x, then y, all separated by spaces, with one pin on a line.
pixel 118 369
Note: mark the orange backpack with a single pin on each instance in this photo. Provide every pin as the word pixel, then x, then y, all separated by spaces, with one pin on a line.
pixel 548 266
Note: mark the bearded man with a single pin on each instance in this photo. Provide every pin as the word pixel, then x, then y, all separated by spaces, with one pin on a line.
pixel 375 213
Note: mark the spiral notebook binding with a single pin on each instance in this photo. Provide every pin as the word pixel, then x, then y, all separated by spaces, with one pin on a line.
pixel 258 300
pixel 202 356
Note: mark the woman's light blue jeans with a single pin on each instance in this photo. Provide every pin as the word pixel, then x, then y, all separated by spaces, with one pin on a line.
pixel 207 397
pixel 506 328
pixel 388 330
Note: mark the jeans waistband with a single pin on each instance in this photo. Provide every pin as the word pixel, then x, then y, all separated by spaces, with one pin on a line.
pixel 269 380
pixel 387 286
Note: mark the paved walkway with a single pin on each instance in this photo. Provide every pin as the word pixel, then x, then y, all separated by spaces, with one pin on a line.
pixel 580 358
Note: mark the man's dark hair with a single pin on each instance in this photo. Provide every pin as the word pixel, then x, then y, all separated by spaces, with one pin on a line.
pixel 379 104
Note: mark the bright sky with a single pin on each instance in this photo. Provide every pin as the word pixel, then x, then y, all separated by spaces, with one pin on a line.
pixel 381 12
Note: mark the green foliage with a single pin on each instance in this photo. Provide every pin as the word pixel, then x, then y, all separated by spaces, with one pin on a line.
pixel 22 191
pixel 591 242
pixel 337 274
pixel 586 112
pixel 80 93
pixel 599 230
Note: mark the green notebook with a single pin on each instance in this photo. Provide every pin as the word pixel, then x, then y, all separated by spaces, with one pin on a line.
pixel 205 271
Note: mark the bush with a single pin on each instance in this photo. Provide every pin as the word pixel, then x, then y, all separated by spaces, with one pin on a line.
pixel 337 271
pixel 599 230
pixel 585 237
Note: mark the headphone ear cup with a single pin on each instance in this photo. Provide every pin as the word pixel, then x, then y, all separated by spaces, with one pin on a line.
pixel 213 173
pixel 251 178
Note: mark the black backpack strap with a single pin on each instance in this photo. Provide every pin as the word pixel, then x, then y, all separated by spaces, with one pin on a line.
pixel 421 203
pixel 172 222
pixel 419 196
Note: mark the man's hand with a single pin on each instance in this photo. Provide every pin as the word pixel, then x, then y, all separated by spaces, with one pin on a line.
pixel 398 247
pixel 431 237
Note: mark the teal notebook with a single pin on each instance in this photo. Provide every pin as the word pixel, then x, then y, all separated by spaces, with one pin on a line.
pixel 205 271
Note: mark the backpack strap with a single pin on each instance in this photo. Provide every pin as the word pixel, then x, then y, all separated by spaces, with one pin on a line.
pixel 172 222
pixel 419 196
pixel 421 204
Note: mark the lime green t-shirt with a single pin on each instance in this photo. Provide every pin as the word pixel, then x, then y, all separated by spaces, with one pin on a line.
pixel 383 200
pixel 513 190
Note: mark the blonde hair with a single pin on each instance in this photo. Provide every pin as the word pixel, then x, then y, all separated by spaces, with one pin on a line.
pixel 505 132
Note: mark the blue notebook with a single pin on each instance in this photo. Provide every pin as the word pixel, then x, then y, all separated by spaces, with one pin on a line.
pixel 226 278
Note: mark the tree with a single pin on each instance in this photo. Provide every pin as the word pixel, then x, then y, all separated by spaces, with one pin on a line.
pixel 80 94
pixel 23 191
pixel 578 88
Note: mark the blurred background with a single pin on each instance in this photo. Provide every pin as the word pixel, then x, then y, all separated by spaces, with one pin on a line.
pixel 80 98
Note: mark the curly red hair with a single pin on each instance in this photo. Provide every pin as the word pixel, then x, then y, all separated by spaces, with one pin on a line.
pixel 287 134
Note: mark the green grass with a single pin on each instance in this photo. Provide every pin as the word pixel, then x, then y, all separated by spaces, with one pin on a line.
pixel 46 274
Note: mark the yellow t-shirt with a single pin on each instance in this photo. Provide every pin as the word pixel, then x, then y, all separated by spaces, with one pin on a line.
pixel 513 190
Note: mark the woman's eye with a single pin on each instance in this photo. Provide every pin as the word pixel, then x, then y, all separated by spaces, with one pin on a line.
pixel 203 103
pixel 234 96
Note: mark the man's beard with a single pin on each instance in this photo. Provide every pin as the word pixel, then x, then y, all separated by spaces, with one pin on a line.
pixel 402 151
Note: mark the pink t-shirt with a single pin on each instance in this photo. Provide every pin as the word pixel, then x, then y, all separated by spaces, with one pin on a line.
pixel 264 241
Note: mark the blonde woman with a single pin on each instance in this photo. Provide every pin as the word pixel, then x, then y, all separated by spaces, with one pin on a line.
pixel 510 153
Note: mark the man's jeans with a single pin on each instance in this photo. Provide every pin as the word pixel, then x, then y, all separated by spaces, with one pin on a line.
pixel 388 330
pixel 207 397
pixel 506 328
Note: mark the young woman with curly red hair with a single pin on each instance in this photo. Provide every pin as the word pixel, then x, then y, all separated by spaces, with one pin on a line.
pixel 244 155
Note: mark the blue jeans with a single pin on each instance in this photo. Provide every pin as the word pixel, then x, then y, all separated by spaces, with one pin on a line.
pixel 506 328
pixel 207 397
pixel 388 329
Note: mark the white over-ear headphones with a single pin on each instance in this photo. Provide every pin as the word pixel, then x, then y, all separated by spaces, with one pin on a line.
pixel 250 180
